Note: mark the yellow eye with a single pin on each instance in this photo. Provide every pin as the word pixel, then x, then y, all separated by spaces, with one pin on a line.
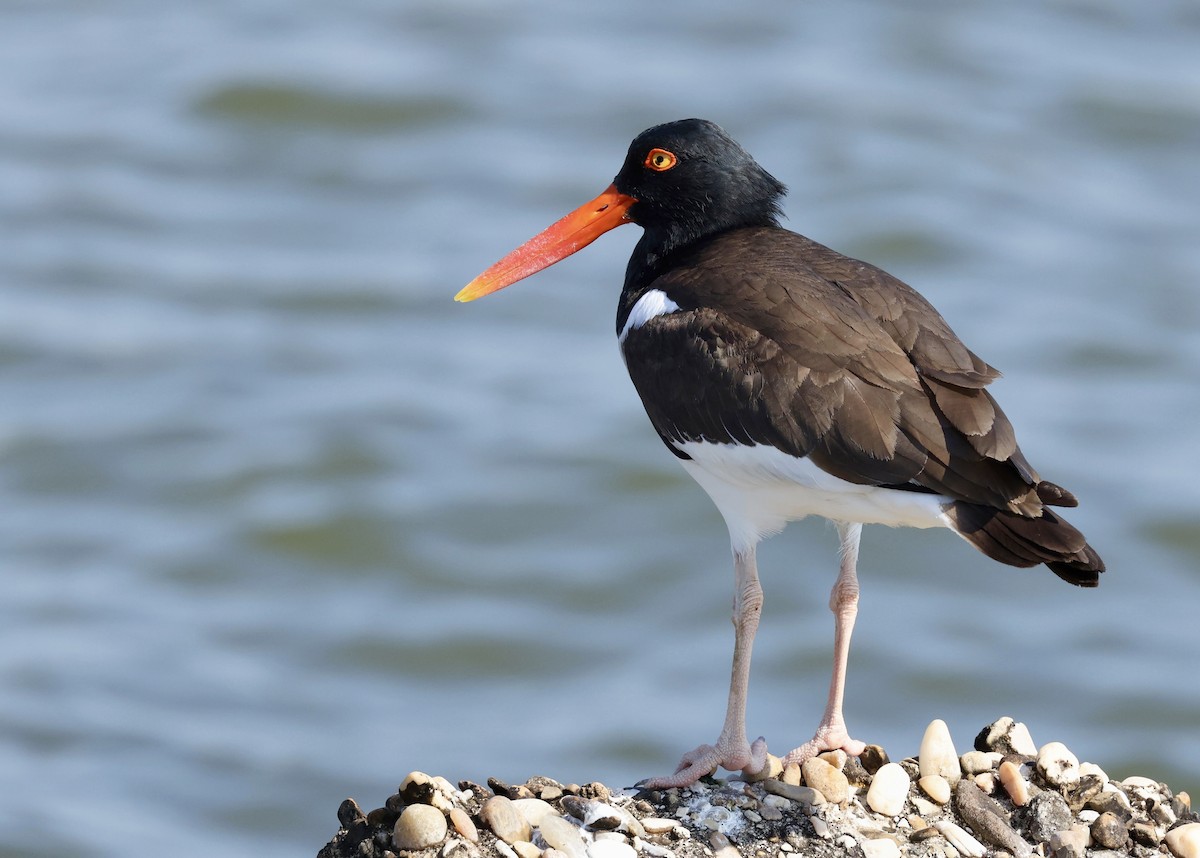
pixel 660 160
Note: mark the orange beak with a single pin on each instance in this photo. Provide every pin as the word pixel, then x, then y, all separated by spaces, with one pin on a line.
pixel 574 232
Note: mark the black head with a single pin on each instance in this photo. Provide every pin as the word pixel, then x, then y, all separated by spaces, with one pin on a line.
pixel 691 180
pixel 681 182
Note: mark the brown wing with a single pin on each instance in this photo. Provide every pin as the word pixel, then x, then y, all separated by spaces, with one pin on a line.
pixel 835 360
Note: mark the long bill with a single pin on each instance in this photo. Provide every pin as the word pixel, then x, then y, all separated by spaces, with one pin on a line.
pixel 558 241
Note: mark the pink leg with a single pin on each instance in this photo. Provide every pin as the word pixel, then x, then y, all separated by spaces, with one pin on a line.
pixel 843 601
pixel 731 751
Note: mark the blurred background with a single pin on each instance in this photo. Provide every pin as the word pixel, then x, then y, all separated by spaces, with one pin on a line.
pixel 280 522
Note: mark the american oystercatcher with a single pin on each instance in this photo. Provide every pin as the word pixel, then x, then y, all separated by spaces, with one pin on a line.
pixel 790 380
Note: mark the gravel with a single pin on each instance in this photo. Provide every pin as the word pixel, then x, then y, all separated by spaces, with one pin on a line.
pixel 1013 799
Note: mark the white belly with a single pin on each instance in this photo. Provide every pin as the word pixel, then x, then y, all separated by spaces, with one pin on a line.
pixel 759 489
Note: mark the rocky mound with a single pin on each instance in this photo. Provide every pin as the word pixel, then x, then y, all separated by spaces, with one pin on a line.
pixel 1005 797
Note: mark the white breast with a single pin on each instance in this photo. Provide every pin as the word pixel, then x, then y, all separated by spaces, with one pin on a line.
pixel 759 489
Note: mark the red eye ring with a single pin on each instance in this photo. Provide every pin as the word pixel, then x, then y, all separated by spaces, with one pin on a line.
pixel 660 160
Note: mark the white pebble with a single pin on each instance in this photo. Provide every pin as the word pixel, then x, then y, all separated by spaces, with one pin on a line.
pixel 986 781
pixel 776 801
pixel 562 835
pixel 881 847
pixel 525 849
pixel 924 806
pixel 652 849
pixel 1021 741
pixel 976 762
pixel 936 787
pixel 889 789
pixel 1184 841
pixel 1058 765
pixel 659 825
pixel 960 839
pixel 419 827
pixel 937 755
pixel 611 849
pixel 1093 769
pixel 534 810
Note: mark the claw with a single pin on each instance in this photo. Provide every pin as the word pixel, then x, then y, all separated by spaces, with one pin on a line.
pixel 701 762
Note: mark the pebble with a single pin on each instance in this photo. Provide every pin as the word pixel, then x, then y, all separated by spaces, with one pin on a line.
pixel 419 827
pixel 936 787
pixel 1014 783
pixel 1057 764
pixel 1049 814
pixel 1007 737
pixel 988 819
pixel 1110 831
pixel 1067 808
pixel 1111 797
pixel 976 762
pixel 651 849
pixel 937 756
pixel 960 839
pixel 563 836
pixel 836 758
pixel 1071 842
pixel 1086 769
pixel 722 848
pixel 827 780
pixel 659 824
pixel 772 769
pixel 769 813
pixel 525 849
pixel 1145 834
pixel 602 816
pixel 416 788
pixel 873 758
pixel 791 774
pixel 1184 841
pixel 881 847
pixel 463 825
pixel 804 795
pixel 889 790
pixel 533 810
pixel 502 818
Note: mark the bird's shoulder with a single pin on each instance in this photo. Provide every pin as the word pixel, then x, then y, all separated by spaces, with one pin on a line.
pixel 828 310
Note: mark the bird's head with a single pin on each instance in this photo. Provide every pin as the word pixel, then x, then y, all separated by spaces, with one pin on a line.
pixel 680 181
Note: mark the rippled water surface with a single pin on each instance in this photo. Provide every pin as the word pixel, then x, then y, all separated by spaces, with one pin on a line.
pixel 279 522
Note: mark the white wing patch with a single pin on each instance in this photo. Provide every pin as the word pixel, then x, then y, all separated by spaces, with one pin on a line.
pixel 653 303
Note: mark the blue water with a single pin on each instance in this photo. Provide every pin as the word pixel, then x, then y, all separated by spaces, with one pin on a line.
pixel 279 522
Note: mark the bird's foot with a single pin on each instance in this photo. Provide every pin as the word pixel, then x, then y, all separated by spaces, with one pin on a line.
pixel 734 755
pixel 829 737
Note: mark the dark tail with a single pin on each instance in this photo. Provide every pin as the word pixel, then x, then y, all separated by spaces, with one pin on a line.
pixel 1019 541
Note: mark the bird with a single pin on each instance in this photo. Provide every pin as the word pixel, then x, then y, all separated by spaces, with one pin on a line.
pixel 789 381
